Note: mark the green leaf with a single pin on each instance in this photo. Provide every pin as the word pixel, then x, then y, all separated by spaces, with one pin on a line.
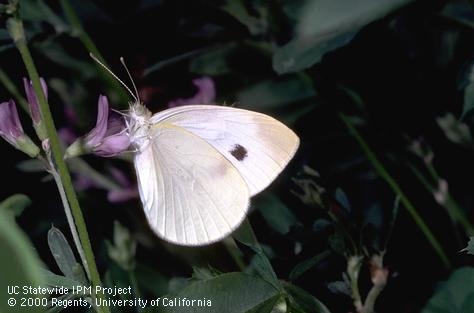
pixel 276 304
pixel 263 267
pixel 15 204
pixel 275 213
pixel 40 11
pixel 302 53
pixel 306 265
pixel 237 9
pixel 260 262
pixel 455 130
pixel 337 244
pixel 31 166
pixel 470 246
pixel 54 280
pixel 19 265
pixel 64 256
pixel 123 249
pixel 468 96
pixel 230 293
pixel 214 62
pixel 326 25
pixel 269 94
pixel 150 280
pixel 301 300
pixel 341 197
pixel 456 295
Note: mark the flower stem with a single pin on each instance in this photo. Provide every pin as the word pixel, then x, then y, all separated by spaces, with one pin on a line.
pixel 397 190
pixel 15 27
pixel 455 212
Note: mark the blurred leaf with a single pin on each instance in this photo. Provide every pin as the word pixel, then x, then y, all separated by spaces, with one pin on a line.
pixel 19 265
pixel 455 130
pixel 336 242
pixel 39 11
pixel 57 54
pixel 341 197
pixel 150 280
pixel 269 95
pixel 230 293
pixel 15 204
pixel 124 247
pixel 470 246
pixel 340 287
pixel 4 34
pixel 53 280
pixel 117 277
pixel 321 224
pixel 202 273
pixel 325 25
pixel 214 62
pixel 176 284
pixel 468 94
pixel 275 304
pixel 237 9
pixel 461 11
pixel 64 256
pixel 275 213
pixel 31 165
pixel 301 300
pixel 302 53
pixel 175 59
pixel 456 295
pixel 308 264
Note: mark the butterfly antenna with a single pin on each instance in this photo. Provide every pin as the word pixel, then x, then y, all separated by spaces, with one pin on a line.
pixel 115 76
pixel 122 60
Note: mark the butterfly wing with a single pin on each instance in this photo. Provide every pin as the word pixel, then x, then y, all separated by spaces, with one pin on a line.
pixel 257 145
pixel 191 194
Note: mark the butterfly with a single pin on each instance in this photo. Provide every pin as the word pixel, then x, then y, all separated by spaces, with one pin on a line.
pixel 198 165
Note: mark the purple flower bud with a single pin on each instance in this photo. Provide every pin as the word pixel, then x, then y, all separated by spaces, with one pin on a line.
pixel 33 99
pixel 10 125
pixel 12 131
pixel 109 136
pixel 206 93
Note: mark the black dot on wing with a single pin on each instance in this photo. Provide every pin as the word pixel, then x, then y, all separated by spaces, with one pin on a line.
pixel 239 152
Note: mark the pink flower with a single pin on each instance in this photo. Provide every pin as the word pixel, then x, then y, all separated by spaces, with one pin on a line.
pixel 206 93
pixel 12 131
pixel 33 99
pixel 34 106
pixel 108 137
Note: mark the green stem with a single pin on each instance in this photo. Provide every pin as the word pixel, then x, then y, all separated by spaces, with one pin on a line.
pixel 234 252
pixel 10 86
pixel 398 191
pixel 78 30
pixel 15 27
pixel 454 210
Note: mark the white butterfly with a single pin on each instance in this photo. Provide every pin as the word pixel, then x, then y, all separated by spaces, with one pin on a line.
pixel 198 165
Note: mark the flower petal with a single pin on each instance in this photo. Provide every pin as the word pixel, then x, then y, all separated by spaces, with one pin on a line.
pixel 33 99
pixel 96 135
pixel 10 125
pixel 206 93
pixel 113 145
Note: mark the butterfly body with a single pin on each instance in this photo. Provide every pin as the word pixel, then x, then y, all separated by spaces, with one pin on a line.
pixel 198 165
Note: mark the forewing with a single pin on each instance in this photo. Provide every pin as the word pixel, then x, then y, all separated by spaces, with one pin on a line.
pixel 191 194
pixel 258 145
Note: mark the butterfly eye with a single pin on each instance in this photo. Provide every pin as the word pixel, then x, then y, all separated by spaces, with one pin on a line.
pixel 239 152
